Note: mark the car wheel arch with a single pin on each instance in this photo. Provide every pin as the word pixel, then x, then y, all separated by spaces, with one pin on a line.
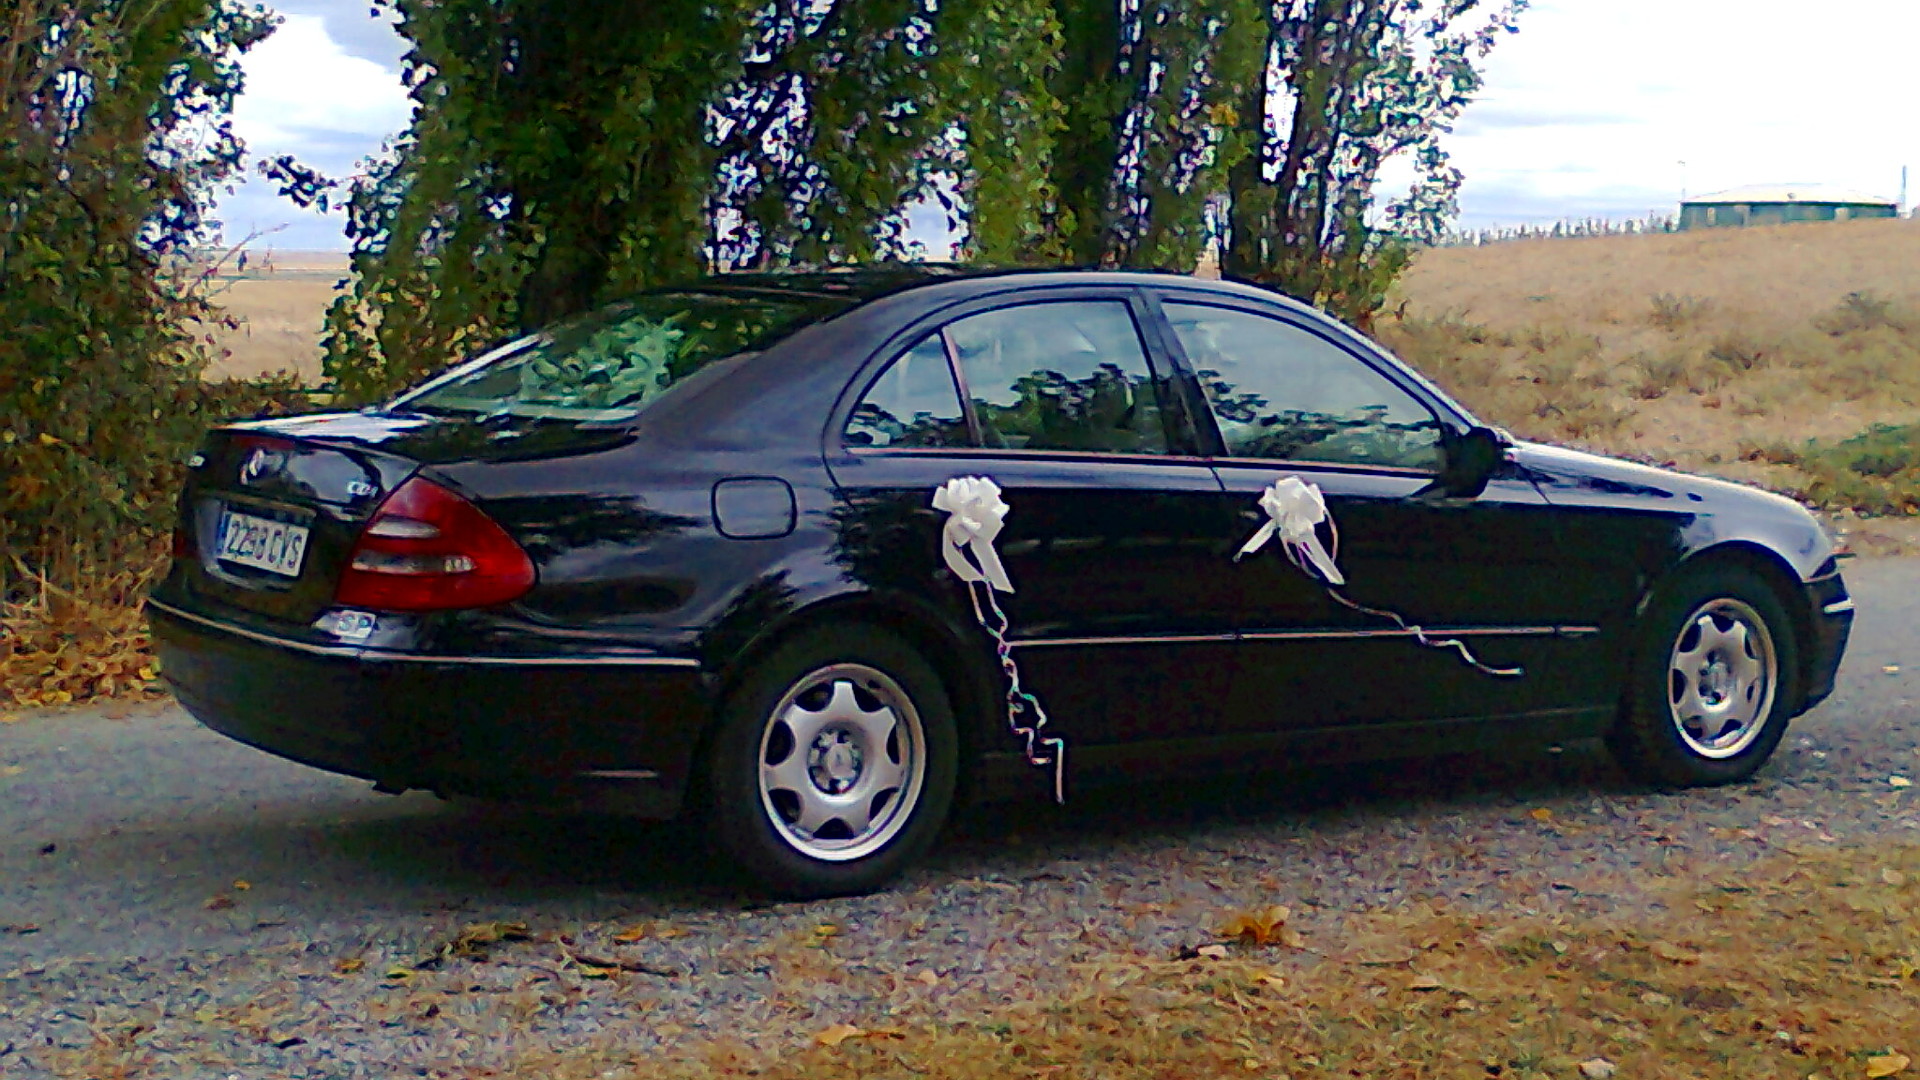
pixel 961 659
pixel 1771 568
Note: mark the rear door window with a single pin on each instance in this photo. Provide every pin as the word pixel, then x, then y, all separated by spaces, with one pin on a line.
pixel 1053 375
pixel 1065 375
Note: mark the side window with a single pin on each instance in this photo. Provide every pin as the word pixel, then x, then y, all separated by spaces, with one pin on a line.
pixel 1063 375
pixel 913 403
pixel 1281 391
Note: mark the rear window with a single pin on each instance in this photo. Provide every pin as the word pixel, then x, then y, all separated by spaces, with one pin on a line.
pixel 609 365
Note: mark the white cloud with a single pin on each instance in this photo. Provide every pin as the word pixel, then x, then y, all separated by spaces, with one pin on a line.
pixel 307 96
pixel 301 85
pixel 1592 107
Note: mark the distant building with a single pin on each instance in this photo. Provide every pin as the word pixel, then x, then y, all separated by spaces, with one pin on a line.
pixel 1777 204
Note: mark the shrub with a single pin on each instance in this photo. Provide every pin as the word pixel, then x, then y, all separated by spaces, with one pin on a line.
pixel 1875 472
pixel 1672 312
pixel 100 392
pixel 1658 373
pixel 1739 351
pixel 1865 310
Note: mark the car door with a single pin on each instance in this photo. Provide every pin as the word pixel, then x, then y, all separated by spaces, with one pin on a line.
pixel 1290 395
pixel 1116 536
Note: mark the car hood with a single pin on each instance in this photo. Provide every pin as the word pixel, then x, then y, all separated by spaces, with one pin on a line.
pixel 1713 511
pixel 1575 473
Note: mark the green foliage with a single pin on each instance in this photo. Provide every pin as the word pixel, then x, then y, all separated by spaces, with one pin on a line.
pixel 112 132
pixel 1362 82
pixel 1876 471
pixel 565 155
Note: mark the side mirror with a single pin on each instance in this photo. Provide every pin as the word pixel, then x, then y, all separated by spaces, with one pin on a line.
pixel 1469 461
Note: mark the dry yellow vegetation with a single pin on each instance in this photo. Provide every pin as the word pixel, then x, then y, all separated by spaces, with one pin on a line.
pixel 280 302
pixel 1749 353
pixel 1800 965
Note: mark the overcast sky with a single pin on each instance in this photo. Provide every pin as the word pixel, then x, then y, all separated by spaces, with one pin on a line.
pixel 1589 110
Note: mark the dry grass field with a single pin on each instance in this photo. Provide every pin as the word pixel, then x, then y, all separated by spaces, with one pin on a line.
pixel 280 300
pixel 1767 355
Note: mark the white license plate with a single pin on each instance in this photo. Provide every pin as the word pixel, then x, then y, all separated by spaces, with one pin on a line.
pixel 274 546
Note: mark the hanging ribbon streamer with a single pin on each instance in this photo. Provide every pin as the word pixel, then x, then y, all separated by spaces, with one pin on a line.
pixel 1294 510
pixel 975 515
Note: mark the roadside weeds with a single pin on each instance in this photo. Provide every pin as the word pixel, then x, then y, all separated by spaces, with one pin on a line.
pixel 1806 964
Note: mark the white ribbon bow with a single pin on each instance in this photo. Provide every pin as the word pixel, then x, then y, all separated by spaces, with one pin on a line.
pixel 975 515
pixel 1294 507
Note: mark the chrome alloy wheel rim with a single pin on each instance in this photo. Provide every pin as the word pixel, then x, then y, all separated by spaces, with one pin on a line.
pixel 842 762
pixel 1721 678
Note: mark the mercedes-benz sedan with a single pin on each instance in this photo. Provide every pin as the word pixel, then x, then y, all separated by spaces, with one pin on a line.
pixel 683 554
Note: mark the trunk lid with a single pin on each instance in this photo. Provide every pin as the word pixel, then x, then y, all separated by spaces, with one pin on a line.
pixel 273 508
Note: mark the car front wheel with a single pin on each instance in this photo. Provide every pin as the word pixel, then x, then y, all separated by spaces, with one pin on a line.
pixel 833 764
pixel 1713 680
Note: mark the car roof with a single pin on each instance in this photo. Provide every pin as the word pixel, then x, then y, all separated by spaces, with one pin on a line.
pixel 861 284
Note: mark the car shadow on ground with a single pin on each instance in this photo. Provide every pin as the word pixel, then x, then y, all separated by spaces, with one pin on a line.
pixel 507 854
pixel 1149 812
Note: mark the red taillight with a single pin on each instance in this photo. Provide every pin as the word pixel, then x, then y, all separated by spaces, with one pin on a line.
pixel 427 549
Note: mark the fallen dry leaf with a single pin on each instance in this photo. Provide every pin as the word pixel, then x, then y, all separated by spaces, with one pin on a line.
pixel 473 942
pixel 1899 781
pixel 11 770
pixel 1424 982
pixel 1679 954
pixel 219 902
pixel 242 885
pixel 1267 926
pixel 1886 1064
pixel 928 976
pixel 1597 1068
pixel 1212 952
pixel 349 965
pixel 1893 877
pixel 837 1034
pixel 1540 813
pixel 636 932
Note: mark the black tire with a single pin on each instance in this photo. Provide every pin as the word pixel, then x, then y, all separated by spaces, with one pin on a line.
pixel 1651 739
pixel 755 817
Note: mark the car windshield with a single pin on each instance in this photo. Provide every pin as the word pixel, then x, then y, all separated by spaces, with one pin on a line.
pixel 609 365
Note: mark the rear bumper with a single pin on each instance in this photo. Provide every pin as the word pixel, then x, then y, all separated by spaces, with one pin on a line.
pixel 615 733
pixel 1830 615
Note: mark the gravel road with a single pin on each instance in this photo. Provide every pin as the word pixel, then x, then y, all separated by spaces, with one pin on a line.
pixel 178 903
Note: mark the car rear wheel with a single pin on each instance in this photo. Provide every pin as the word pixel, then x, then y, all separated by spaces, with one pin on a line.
pixel 1713 681
pixel 833 764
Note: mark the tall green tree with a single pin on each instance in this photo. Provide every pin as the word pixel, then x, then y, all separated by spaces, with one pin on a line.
pixel 113 137
pixel 1350 85
pixel 563 154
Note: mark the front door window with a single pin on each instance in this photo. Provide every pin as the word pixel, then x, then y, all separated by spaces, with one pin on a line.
pixel 1282 392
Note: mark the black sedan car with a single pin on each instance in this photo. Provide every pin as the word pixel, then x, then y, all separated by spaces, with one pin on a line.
pixel 691 552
